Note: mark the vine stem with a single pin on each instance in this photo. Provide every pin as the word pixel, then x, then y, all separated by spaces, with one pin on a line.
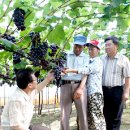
pixel 17 52
pixel 52 12
pixel 6 10
pixel 8 25
pixel 68 38
pixel 41 2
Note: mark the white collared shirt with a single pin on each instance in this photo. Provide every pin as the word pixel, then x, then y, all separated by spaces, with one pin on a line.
pixel 18 111
pixel 75 62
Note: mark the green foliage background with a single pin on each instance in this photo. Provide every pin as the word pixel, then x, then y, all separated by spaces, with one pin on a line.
pixel 58 21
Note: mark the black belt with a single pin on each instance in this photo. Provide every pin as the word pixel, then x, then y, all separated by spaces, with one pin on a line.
pixel 110 87
pixel 70 82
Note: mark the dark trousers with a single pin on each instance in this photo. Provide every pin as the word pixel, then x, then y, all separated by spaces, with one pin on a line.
pixel 113 106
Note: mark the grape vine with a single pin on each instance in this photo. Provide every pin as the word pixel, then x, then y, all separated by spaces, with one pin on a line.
pixel 40 54
pixel 18 18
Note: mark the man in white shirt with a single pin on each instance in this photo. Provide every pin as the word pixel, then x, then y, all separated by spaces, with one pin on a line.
pixel 72 90
pixel 116 83
pixel 18 112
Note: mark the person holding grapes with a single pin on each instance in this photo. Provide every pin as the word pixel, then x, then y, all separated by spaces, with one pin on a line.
pixel 73 88
pixel 18 112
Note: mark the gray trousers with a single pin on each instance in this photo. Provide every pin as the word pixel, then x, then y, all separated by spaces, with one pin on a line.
pixel 38 127
pixel 66 100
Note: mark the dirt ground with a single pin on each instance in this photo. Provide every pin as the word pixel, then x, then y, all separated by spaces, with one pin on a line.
pixel 51 119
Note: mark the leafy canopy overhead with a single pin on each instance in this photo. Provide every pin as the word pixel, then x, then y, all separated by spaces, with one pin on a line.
pixel 58 21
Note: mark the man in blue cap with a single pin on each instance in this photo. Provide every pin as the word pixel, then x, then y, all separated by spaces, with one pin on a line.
pixel 73 87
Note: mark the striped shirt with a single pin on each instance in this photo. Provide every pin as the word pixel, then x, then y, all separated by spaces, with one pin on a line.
pixel 115 70
pixel 75 62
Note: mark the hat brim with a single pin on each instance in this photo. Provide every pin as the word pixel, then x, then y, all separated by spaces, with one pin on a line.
pixel 79 43
pixel 88 44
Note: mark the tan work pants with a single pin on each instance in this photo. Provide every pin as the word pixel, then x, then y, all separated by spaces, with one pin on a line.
pixel 66 100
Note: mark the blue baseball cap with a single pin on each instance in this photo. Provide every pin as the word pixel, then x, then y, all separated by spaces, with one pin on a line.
pixel 80 39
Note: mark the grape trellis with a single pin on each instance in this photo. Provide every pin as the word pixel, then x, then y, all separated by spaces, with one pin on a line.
pixel 36 33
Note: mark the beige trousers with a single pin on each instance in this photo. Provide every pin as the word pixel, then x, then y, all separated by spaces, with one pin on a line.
pixel 66 100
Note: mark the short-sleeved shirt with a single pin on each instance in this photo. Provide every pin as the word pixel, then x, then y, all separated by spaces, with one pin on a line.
pixel 115 70
pixel 18 111
pixel 94 71
pixel 75 62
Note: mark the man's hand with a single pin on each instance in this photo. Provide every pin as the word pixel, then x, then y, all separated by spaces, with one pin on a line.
pixel 126 89
pixel 50 76
pixel 78 93
pixel 126 96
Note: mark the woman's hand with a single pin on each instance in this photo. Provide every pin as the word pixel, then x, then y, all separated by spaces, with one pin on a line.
pixel 69 70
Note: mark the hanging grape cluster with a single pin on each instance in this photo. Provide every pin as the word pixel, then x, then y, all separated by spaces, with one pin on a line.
pixel 57 75
pixel 41 54
pixel 38 50
pixel 59 65
pixel 9 38
pixel 16 58
pixel 18 18
pixel 62 59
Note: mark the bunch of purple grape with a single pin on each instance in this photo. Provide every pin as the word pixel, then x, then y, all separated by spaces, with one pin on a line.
pixel 62 59
pixel 59 62
pixel 36 62
pixel 38 52
pixel 54 49
pixel 63 56
pixel 16 58
pixel 18 18
pixel 41 54
pixel 43 48
pixel 9 38
pixel 57 75
pixel 35 38
pixel 45 64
